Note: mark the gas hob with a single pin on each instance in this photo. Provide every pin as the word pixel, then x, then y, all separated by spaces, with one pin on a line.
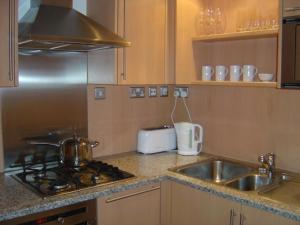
pixel 63 179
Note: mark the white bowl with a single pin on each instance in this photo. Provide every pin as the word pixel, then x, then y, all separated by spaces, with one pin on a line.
pixel 266 76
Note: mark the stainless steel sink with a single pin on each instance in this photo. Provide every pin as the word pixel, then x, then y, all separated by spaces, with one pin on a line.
pixel 251 182
pixel 214 170
pixel 237 175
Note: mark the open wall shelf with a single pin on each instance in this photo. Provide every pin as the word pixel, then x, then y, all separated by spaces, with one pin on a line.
pixel 238 36
pixel 236 84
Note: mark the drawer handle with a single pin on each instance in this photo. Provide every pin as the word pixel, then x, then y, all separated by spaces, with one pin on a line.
pixel 130 195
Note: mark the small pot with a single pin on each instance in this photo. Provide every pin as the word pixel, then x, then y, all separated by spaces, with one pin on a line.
pixel 77 152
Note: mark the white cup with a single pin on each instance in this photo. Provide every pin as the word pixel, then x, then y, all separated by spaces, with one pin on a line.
pixel 249 73
pixel 235 72
pixel 221 73
pixel 207 72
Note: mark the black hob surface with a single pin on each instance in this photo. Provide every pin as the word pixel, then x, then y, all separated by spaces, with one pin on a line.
pixel 64 179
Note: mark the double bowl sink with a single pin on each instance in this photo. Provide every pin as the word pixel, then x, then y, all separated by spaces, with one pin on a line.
pixel 232 174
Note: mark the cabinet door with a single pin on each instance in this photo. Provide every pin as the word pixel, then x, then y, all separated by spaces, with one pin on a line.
pixel 134 207
pixel 102 64
pixel 224 212
pixel 189 206
pixel 8 43
pixel 143 23
pixel 253 216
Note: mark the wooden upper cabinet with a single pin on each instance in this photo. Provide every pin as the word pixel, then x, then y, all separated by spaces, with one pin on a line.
pixel 8 43
pixel 146 24
pixel 143 23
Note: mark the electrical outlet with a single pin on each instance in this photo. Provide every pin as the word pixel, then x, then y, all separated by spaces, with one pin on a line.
pixel 99 93
pixel 152 92
pixel 137 92
pixel 181 92
pixel 164 91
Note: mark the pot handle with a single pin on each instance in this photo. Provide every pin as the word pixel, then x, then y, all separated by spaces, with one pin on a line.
pixel 43 143
pixel 94 144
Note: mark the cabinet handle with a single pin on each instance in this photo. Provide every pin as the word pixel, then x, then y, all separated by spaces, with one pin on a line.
pixel 9 40
pixel 242 219
pixel 124 74
pixel 130 195
pixel 14 22
pixel 11 20
pixel 232 215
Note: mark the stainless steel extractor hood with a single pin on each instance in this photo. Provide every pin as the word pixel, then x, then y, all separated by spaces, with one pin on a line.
pixel 52 28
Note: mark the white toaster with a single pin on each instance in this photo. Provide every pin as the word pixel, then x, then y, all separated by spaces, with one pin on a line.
pixel 154 140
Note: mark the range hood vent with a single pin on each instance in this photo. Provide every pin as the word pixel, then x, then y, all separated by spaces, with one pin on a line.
pixel 52 28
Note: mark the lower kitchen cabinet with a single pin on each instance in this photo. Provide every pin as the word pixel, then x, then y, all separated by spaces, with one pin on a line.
pixel 194 207
pixel 189 206
pixel 223 212
pixel 140 206
pixel 253 216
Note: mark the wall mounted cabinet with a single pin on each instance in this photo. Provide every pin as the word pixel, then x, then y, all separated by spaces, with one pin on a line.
pixel 9 43
pixel 145 23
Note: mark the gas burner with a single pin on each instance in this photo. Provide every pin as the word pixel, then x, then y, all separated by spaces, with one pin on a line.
pixel 59 185
pixel 47 175
pixel 63 179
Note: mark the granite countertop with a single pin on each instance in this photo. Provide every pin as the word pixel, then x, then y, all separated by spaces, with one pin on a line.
pixel 17 200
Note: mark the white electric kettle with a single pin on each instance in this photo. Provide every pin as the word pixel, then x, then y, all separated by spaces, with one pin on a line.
pixel 189 139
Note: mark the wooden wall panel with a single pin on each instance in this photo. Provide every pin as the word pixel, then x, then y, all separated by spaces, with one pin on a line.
pixel 242 123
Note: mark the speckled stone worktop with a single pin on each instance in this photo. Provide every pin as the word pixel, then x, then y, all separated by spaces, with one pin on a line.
pixel 17 200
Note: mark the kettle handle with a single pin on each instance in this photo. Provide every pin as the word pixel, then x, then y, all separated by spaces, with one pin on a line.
pixel 199 139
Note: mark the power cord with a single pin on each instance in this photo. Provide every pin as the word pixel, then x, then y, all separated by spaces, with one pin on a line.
pixel 176 95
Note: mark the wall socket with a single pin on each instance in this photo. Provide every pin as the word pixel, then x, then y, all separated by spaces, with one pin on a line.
pixel 137 92
pixel 181 92
pixel 99 93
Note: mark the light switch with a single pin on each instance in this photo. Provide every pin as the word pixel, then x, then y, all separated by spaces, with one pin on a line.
pixel 99 93
pixel 164 91
pixel 152 92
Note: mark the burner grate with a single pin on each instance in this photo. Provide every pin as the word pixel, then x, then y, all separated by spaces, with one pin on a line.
pixel 63 179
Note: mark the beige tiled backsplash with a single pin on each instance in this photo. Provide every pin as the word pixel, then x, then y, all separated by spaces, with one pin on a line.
pixel 115 121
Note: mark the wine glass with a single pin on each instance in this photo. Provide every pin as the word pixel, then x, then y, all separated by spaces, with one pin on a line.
pixel 220 21
pixel 200 22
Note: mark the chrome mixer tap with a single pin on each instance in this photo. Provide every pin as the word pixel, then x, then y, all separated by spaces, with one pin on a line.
pixel 267 164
